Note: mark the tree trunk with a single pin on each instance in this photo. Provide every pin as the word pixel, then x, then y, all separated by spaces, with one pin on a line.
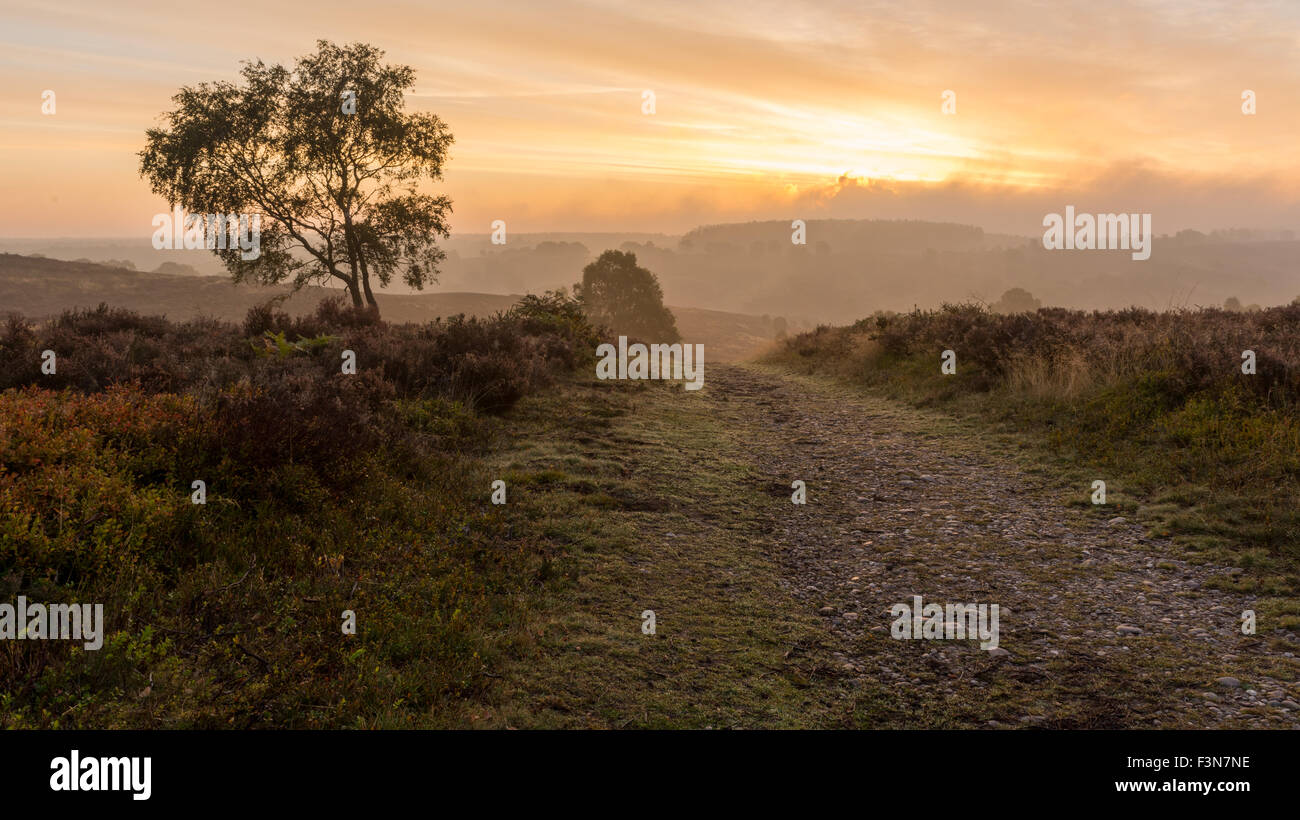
pixel 365 282
pixel 356 293
pixel 357 260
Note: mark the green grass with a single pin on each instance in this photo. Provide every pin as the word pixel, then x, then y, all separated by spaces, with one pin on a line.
pixel 644 502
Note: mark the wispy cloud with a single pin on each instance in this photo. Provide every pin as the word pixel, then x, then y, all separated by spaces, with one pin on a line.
pixel 754 100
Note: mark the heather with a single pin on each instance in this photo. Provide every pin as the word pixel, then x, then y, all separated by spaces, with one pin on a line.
pixel 325 492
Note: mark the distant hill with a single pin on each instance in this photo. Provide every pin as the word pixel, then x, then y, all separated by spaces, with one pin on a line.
pixel 40 289
pixel 848 269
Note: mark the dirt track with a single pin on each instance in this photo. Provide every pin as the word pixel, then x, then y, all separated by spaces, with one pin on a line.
pixel 898 506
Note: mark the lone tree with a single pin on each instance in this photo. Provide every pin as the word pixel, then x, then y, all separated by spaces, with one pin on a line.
pixel 618 293
pixel 326 153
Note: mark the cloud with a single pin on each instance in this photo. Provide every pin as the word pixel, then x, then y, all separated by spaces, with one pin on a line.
pixel 763 108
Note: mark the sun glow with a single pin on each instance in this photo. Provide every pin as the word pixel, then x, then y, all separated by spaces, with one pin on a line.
pixel 545 101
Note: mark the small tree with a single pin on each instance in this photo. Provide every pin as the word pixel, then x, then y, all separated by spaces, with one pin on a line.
pixel 326 154
pixel 626 298
pixel 1233 304
pixel 1016 300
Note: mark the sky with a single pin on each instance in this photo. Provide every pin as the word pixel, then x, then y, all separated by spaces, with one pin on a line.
pixel 762 109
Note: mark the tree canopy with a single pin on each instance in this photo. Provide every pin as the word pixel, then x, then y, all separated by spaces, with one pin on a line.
pixel 626 298
pixel 327 154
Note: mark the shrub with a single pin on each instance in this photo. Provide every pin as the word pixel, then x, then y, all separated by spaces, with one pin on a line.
pixel 619 294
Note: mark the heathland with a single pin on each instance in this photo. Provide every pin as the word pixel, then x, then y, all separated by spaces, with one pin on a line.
pixel 326 493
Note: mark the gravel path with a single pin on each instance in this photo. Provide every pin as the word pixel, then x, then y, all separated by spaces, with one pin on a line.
pixel 1100 625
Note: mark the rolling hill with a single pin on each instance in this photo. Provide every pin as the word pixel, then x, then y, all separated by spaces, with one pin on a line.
pixel 40 288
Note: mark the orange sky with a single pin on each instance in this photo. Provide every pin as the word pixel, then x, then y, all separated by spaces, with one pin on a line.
pixel 764 109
